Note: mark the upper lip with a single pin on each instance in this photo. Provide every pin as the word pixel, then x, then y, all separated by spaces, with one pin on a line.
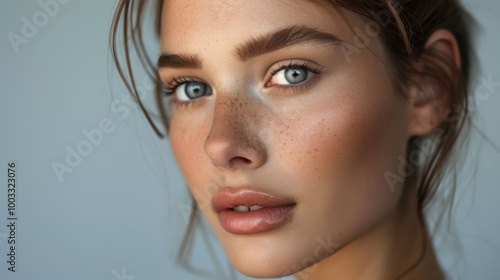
pixel 228 198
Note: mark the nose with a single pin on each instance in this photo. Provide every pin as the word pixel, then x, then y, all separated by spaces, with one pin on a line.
pixel 233 141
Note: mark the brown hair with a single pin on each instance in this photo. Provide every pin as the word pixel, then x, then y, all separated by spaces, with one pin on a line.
pixel 406 26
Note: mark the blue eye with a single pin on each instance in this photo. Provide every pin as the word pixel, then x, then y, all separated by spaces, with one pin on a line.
pixel 191 90
pixel 295 75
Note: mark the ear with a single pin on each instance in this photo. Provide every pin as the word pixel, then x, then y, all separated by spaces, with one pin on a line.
pixel 430 102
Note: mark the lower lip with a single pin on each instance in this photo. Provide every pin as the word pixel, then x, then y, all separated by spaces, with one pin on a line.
pixel 252 222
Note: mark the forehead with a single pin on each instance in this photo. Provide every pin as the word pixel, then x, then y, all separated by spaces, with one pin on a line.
pixel 191 25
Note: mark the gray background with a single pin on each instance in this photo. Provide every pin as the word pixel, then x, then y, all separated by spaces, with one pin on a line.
pixel 120 213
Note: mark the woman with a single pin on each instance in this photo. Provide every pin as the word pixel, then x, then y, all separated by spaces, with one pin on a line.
pixel 312 133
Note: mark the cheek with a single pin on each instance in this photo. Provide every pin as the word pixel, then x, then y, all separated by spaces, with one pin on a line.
pixel 187 137
pixel 338 157
pixel 331 136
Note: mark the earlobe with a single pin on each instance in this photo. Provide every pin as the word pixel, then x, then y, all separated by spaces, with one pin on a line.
pixel 429 98
pixel 428 108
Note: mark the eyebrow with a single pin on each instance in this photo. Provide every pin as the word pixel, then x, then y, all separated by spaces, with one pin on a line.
pixel 179 61
pixel 280 39
pixel 283 38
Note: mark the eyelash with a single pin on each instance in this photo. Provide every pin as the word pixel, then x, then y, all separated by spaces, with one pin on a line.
pixel 296 64
pixel 173 84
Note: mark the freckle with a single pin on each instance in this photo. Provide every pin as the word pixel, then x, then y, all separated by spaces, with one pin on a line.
pixel 281 132
pixel 316 150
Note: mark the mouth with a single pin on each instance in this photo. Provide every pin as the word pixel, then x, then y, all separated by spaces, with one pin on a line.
pixel 246 211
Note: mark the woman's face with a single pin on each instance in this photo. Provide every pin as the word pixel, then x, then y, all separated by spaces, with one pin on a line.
pixel 278 105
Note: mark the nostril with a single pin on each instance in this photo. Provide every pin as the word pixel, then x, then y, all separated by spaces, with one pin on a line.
pixel 239 161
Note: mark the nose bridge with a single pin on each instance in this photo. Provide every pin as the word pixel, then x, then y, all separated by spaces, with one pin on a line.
pixel 233 139
pixel 231 114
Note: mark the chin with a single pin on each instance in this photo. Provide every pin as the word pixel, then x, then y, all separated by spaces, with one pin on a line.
pixel 275 257
pixel 262 268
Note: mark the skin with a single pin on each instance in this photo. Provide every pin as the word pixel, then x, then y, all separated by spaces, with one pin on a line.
pixel 325 145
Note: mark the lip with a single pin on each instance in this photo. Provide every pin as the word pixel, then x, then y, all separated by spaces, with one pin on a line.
pixel 276 210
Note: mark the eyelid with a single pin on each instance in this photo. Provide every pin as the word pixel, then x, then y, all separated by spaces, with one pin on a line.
pixel 312 67
pixel 172 84
pixel 295 63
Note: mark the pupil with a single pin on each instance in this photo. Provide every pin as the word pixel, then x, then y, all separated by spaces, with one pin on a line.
pixel 295 75
pixel 195 90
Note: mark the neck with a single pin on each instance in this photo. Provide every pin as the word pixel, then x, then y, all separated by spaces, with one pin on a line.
pixel 399 248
